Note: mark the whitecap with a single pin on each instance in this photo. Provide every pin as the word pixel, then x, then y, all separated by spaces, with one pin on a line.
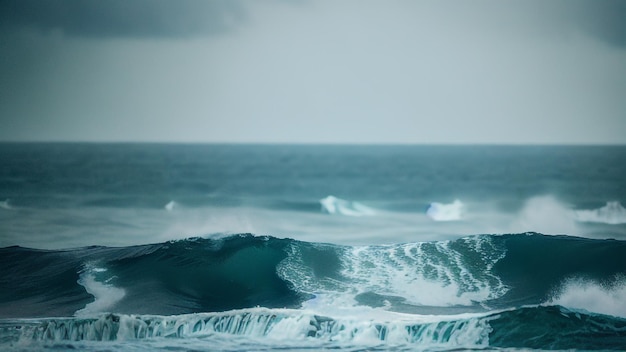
pixel 592 297
pixel 5 205
pixel 545 214
pixel 334 205
pixel 171 205
pixel 446 212
pixel 612 213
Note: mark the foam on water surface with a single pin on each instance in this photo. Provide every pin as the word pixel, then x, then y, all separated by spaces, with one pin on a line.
pixel 105 294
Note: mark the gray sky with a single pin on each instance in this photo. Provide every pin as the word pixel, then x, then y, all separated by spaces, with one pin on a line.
pixel 313 71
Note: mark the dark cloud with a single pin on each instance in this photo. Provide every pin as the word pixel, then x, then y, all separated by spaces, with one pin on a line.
pixel 604 19
pixel 123 18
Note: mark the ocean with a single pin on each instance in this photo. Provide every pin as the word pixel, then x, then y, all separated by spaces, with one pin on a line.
pixel 191 247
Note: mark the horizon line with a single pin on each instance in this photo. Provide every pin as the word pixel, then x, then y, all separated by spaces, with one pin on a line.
pixel 259 143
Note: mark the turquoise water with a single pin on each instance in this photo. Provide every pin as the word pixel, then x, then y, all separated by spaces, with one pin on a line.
pixel 260 247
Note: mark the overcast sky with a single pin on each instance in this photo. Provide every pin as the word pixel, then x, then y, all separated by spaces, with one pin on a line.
pixel 313 71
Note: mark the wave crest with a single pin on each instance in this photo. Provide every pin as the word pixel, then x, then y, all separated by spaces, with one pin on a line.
pixel 334 205
pixel 612 213
pixel 526 327
pixel 446 212
pixel 5 204
pixel 593 297
pixel 270 324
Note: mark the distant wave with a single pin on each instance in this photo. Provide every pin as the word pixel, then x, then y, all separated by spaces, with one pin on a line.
pixel 545 214
pixel 446 212
pixel 5 204
pixel 549 215
pixel 612 213
pixel 171 205
pixel 334 205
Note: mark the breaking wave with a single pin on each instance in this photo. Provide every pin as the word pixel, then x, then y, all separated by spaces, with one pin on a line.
pixel 446 212
pixel 171 205
pixel 591 296
pixel 612 213
pixel 527 327
pixel 338 206
pixel 519 290
pixel 242 271
pixel 5 204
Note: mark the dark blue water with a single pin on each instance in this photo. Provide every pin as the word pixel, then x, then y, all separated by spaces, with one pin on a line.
pixel 137 246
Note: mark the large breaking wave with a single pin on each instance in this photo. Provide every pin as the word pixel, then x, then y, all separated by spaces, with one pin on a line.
pixel 486 290
pixel 546 327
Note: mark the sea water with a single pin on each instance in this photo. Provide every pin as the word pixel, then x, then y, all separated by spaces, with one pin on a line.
pixel 303 247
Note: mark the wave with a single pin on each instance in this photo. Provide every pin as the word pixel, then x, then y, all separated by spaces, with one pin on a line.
pixel 588 295
pixel 525 327
pixel 514 291
pixel 545 214
pixel 549 215
pixel 171 205
pixel 446 212
pixel 5 204
pixel 612 213
pixel 334 205
pixel 471 274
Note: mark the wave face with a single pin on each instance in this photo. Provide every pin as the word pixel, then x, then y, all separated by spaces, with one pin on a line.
pixel 518 290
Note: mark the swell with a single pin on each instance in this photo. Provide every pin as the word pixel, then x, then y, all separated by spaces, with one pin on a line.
pixel 545 327
pixel 537 266
pixel 472 274
pixel 194 275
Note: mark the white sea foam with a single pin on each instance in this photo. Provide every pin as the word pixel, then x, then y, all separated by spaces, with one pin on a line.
pixel 421 274
pixel 105 295
pixel 593 297
pixel 446 212
pixel 293 328
pixel 612 213
pixel 334 205
pixel 431 274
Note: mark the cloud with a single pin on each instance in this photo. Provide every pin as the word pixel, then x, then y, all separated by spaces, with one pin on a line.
pixel 123 18
pixel 602 19
pixel 316 71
